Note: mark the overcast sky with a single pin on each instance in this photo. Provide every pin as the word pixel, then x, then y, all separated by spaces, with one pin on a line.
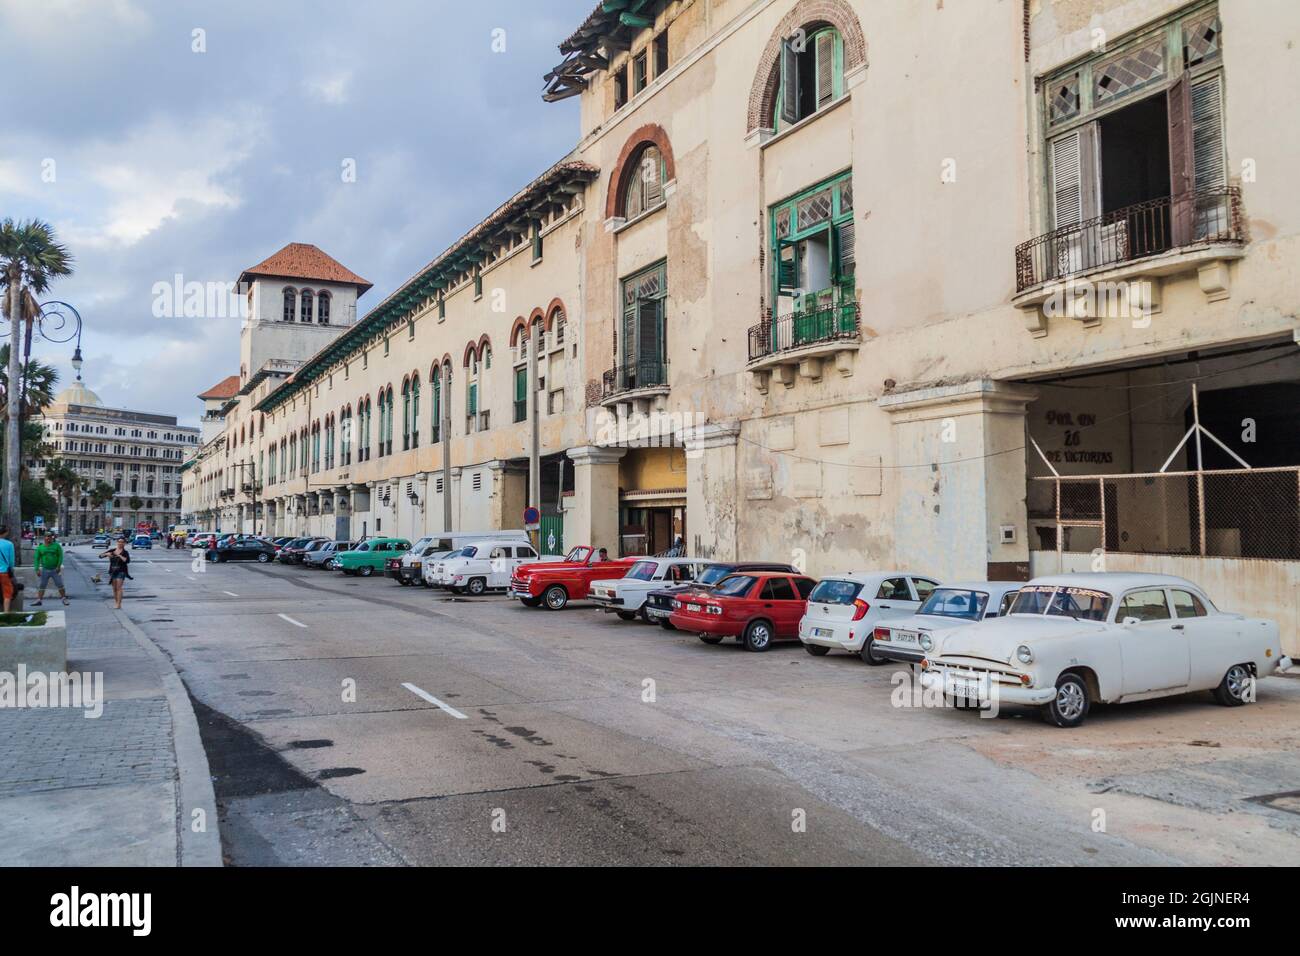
pixel 166 160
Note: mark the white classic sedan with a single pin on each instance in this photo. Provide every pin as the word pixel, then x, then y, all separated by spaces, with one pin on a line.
pixel 1073 640
pixel 908 640
pixel 626 596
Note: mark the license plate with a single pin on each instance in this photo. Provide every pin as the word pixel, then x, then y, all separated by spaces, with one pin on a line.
pixel 963 687
pixel 904 637
pixel 693 607
pixel 821 632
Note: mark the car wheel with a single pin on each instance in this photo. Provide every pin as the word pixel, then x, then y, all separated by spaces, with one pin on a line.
pixel 1070 705
pixel 477 586
pixel 868 652
pixel 626 615
pixel 263 558
pixel 710 639
pixel 1233 689
pixel 817 650
pixel 366 570
pixel 555 598
pixel 530 601
pixel 758 636
pixel 645 615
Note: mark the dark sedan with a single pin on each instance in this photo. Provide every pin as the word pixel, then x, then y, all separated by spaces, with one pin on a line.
pixel 292 552
pixel 242 549
pixel 659 604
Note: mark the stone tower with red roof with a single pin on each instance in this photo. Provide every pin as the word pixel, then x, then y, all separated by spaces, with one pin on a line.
pixel 299 300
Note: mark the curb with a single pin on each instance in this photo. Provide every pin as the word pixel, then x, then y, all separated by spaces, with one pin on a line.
pixel 194 778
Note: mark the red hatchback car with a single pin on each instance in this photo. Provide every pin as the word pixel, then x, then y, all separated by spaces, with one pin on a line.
pixel 758 608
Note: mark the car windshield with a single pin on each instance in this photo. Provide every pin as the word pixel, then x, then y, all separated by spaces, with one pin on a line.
pixel 713 574
pixel 736 585
pixel 955 602
pixel 642 571
pixel 469 552
pixel 578 555
pixel 1082 604
pixel 453 554
pixel 832 591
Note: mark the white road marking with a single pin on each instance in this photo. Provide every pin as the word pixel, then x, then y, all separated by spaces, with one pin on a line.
pixel 435 701
pixel 191 577
pixel 231 593
pixel 290 620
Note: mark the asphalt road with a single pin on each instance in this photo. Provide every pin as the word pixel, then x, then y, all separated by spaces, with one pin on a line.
pixel 352 721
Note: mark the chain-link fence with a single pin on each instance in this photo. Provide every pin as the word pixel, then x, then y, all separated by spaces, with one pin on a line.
pixel 1245 513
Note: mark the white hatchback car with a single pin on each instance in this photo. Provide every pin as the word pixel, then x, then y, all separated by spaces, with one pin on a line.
pixel 1073 640
pixel 626 596
pixel 908 640
pixel 843 610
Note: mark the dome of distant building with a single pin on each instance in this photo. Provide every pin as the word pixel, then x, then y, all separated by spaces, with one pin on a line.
pixel 78 394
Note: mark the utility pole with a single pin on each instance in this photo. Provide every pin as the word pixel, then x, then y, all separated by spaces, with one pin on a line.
pixel 446 448
pixel 534 429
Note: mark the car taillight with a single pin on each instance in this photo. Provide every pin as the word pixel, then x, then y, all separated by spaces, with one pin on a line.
pixel 675 603
pixel 860 609
pixel 882 634
pixel 713 608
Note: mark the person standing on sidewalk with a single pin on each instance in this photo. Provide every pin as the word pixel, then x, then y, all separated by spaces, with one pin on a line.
pixel 48 559
pixel 119 563
pixel 6 567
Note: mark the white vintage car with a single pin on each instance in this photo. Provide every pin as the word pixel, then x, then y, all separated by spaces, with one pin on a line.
pixel 482 566
pixel 1073 640
pixel 626 596
pixel 909 639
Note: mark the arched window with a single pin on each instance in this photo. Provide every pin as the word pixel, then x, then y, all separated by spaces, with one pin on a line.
pixel 315 447
pixel 323 307
pixel 290 302
pixel 415 411
pixel 329 442
pixel 645 183
pixel 380 402
pixel 472 420
pixel 812 75
pixel 388 430
pixel 406 414
pixel 305 315
pixel 345 436
pixel 435 409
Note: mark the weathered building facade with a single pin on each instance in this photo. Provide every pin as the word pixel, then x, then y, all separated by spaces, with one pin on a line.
pixel 859 284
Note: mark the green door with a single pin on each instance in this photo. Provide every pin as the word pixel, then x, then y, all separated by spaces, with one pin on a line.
pixel 551 534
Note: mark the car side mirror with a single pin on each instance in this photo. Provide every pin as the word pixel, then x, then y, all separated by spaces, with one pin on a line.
pixel 1130 621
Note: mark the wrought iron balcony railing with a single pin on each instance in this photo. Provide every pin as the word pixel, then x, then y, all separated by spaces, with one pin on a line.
pixel 827 317
pixel 649 373
pixel 1131 233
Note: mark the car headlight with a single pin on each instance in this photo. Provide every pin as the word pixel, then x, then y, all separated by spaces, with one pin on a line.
pixel 1024 654
pixel 926 642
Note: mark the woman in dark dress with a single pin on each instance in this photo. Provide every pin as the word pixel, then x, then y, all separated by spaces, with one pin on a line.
pixel 119 563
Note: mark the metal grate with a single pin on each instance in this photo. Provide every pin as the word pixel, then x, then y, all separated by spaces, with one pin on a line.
pixel 1063 100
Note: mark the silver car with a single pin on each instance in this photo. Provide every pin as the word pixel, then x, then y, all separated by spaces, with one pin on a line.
pixel 321 556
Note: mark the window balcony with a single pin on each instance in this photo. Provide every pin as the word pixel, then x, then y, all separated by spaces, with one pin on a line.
pixel 637 384
pixel 1127 251
pixel 801 341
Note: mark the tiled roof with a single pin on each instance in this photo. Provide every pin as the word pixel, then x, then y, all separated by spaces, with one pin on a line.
pixel 226 388
pixel 302 260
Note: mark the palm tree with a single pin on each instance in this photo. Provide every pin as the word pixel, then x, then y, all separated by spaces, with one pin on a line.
pixel 65 482
pixel 136 504
pixel 30 257
pixel 36 380
pixel 100 495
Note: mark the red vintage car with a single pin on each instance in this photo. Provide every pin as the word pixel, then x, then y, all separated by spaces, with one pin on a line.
pixel 758 608
pixel 553 584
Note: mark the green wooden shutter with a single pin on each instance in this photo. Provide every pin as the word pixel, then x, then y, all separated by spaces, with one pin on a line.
pixel 649 342
pixel 521 384
pixel 789 106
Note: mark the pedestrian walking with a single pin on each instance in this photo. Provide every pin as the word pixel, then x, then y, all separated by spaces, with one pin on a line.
pixel 119 563
pixel 7 584
pixel 49 566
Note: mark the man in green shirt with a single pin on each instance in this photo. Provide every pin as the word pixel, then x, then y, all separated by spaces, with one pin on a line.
pixel 49 565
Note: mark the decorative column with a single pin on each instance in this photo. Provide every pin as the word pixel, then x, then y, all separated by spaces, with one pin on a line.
pixel 712 491
pixel 594 515
pixel 959 509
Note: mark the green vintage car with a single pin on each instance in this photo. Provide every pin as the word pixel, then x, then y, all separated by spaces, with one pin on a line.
pixel 369 556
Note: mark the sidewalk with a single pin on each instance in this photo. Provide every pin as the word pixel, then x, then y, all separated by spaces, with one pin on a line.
pixel 119 789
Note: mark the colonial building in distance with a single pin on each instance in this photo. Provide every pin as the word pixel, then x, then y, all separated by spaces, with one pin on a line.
pixel 138 453
pixel 771 305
